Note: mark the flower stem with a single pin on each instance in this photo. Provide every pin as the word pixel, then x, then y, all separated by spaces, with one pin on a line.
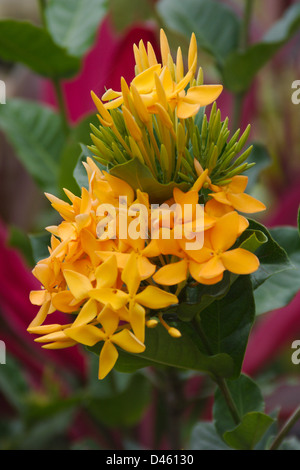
pixel 285 430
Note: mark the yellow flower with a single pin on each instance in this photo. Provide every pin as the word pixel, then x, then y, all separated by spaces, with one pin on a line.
pixel 160 85
pixel 233 195
pixel 90 335
pixel 219 256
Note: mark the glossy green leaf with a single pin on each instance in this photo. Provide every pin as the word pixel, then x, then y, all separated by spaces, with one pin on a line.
pixel 19 239
pixel 124 14
pixel 73 23
pixel 241 67
pixel 36 133
pixel 138 176
pixel 279 290
pixel 183 353
pixel 39 244
pixel 215 25
pixel 247 398
pixel 261 157
pixel 227 322
pixel 205 437
pixel 195 299
pixel 121 407
pixel 273 258
pixel 249 432
pixel 23 42
pixel 78 139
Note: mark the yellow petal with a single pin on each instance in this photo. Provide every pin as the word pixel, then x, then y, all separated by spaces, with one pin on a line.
pixel 110 95
pixel 238 184
pixel 88 335
pixel 109 319
pixel 87 313
pixel 63 302
pixel 186 110
pixel 137 320
pixel 130 275
pixel 127 341
pixel 41 315
pixel 145 81
pixel 195 269
pixel 240 261
pixel 151 54
pixel 145 268
pixel 212 268
pixel 54 336
pixel 38 297
pixel 107 360
pixel 78 284
pixel 172 274
pixel 59 344
pixel 203 95
pixel 164 47
pixel 106 274
pixel 192 54
pixel 113 297
pixel 153 297
pixel 200 181
pixel 245 203
pixel 225 232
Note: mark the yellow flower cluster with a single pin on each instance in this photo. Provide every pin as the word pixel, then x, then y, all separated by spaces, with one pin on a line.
pixel 112 284
pixel 111 281
pixel 147 118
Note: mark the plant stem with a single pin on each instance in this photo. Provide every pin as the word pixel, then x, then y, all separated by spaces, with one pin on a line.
pixel 42 6
pixel 61 105
pixel 238 100
pixel 285 430
pixel 220 381
pixel 222 384
pixel 56 82
pixel 175 401
pixel 244 35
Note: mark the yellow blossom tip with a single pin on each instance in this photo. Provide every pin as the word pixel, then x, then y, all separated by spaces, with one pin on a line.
pixel 174 332
pixel 152 323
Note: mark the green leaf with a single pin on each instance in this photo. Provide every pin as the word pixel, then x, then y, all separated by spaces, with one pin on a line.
pixel 249 432
pixel 21 41
pixel 183 353
pixel 205 437
pixel 122 407
pixel 241 67
pixel 261 157
pixel 78 139
pixel 195 299
pixel 13 385
pixel 251 240
pixel 227 322
pixel 273 258
pixel 280 289
pixel 36 133
pixel 215 25
pixel 298 220
pixel 20 240
pixel 73 23
pixel 247 398
pixel 124 13
pixel 138 176
pixel 39 244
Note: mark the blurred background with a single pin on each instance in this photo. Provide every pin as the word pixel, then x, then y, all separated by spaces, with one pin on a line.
pixel 52 399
